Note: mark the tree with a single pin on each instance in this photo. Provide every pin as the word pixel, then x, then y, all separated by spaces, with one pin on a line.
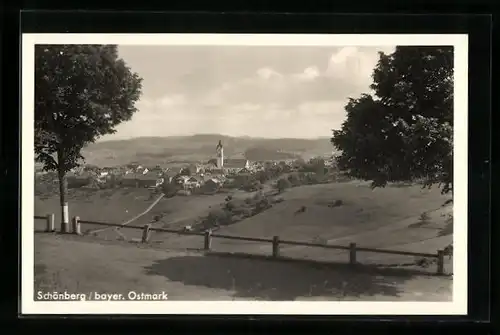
pixel 263 176
pixel 405 131
pixel 283 184
pixel 294 179
pixel 81 93
pixel 218 217
pixel 169 189
pixel 317 165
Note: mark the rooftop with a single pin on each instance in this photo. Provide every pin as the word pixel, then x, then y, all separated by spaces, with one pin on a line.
pixel 235 163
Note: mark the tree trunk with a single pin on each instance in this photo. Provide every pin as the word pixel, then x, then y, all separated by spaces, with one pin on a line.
pixel 63 190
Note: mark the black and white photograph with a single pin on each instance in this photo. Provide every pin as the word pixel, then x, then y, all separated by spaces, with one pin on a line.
pixel 244 174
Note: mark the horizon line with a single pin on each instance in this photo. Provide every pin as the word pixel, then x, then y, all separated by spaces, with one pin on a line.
pixel 216 134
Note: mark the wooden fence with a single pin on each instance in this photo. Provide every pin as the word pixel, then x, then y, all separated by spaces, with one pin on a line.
pixel 275 241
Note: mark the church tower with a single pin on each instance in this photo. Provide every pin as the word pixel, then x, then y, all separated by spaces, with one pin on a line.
pixel 220 155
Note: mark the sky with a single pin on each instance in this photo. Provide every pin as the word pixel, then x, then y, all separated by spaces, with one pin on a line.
pixel 257 91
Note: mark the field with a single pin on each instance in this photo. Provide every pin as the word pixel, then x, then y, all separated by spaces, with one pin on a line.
pixel 96 205
pixel 119 268
pixel 387 218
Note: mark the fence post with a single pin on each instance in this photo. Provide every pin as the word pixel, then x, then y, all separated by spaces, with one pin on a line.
pixel 352 253
pixel 145 233
pixel 208 239
pixel 50 223
pixel 276 246
pixel 76 226
pixel 440 262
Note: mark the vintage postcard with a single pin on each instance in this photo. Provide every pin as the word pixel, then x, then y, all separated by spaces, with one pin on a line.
pixel 250 174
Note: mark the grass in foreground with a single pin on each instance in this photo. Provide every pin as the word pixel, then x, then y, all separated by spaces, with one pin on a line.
pixel 118 268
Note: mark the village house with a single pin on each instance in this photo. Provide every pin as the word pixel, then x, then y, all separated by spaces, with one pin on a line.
pixel 77 170
pixel 193 182
pixel 141 180
pixel 245 171
pixel 212 185
pixel 156 170
pixel 141 169
pixel 235 165
pixel 181 179
pixel 229 166
pixel 195 168
pixel 109 169
pixel 133 166
pixel 150 179
pixel 168 175
pixel 130 180
pixel 216 171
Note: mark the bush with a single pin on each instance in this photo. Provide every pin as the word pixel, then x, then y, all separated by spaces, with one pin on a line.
pixel 219 217
pixel 249 201
pixel 336 203
pixel 229 205
pixel 252 186
pixel 294 179
pixel 262 205
pixel 245 212
pixel 424 217
pixel 169 189
pixel 283 184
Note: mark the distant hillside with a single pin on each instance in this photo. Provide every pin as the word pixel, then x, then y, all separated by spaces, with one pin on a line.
pixel 180 149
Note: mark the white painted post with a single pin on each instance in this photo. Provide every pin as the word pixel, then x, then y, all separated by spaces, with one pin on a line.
pixel 76 226
pixel 65 218
pixel 50 223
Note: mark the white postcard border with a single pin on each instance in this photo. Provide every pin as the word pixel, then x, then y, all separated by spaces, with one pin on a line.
pixel 457 307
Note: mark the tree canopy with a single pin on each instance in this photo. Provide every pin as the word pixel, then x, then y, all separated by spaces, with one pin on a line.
pixel 81 93
pixel 404 131
pixel 283 184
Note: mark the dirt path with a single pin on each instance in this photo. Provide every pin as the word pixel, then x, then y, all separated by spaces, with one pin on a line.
pixel 132 219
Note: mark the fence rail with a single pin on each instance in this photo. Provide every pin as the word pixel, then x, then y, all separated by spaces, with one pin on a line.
pixel 310 244
pixel 275 241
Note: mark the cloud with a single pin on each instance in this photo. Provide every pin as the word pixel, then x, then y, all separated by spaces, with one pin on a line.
pixel 172 100
pixel 268 74
pixel 306 100
pixel 354 65
pixel 310 74
pixel 347 73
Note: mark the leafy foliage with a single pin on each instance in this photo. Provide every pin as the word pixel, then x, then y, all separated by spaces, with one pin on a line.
pixel 283 184
pixel 169 189
pixel 405 131
pixel 81 93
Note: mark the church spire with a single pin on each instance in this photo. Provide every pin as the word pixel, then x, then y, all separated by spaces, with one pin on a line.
pixel 220 155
